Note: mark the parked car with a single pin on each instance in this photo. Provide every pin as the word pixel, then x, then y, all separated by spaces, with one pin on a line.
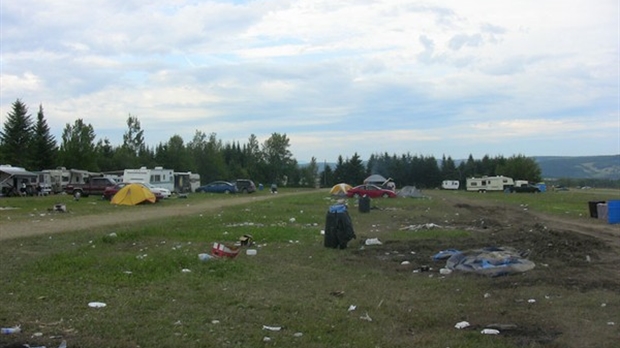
pixel 371 191
pixel 218 187
pixel 110 191
pixel 165 193
pixel 524 188
pixel 245 185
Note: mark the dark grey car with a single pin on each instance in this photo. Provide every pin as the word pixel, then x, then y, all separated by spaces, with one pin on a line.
pixel 245 186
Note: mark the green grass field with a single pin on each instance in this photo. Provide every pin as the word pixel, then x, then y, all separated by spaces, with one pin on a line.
pixel 159 294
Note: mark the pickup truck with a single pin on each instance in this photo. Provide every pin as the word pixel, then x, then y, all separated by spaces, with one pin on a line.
pixel 94 186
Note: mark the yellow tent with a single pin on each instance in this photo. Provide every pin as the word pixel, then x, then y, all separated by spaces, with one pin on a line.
pixel 340 189
pixel 133 194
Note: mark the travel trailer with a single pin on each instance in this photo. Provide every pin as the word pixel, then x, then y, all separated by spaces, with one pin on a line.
pixel 185 182
pixel 158 177
pixel 489 183
pixel 450 184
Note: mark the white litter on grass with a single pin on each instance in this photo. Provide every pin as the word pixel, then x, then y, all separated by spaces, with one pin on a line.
pixel 373 241
pixel 298 334
pixel 366 317
pixel 266 339
pixel 272 328
pixel 352 308
pixel 445 271
pixel 489 332
pixel 186 270
pixel 405 263
pixel 215 322
pixel 96 304
pixel 611 323
pixel 292 220
pixel 531 300
pixel 461 325
pixel 428 226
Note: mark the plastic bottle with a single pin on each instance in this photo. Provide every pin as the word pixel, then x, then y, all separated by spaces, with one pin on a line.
pixel 10 330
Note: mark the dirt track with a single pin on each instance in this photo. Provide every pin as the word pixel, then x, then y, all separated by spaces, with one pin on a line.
pixel 9 230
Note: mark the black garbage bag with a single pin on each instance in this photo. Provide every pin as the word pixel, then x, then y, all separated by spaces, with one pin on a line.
pixel 338 227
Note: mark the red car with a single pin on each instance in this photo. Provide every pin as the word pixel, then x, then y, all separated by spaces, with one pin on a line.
pixel 371 191
pixel 110 191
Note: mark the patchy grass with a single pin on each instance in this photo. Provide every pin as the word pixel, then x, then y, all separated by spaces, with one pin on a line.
pixel 158 293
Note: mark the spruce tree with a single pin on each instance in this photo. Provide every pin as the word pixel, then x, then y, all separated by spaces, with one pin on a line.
pixel 16 136
pixel 44 148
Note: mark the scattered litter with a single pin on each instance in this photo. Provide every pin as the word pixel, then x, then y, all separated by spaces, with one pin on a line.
pixel 63 344
pixel 373 241
pixel 272 328
pixel 298 334
pixel 291 220
pixel 427 226
pixel 224 250
pixel 250 252
pixel 445 271
pixel 611 323
pixel 10 330
pixel 491 261
pixel 178 322
pixel 37 334
pixel 113 234
pixel 405 263
pixel 461 325
pixel 445 254
pixel 204 257
pixel 352 308
pixel 337 293
pixel 489 332
pixel 96 304
pixel 215 322
pixel 531 300
pixel 366 317
pixel 603 304
pixel 487 295
pixel 266 339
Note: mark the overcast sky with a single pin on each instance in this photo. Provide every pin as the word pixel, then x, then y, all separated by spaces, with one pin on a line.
pixel 453 77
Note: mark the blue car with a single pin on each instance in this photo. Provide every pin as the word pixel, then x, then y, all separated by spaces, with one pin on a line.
pixel 218 187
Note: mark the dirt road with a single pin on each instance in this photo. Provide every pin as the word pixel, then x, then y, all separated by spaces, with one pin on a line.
pixel 9 230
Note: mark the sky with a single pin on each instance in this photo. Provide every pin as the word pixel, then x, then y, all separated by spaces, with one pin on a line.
pixel 337 77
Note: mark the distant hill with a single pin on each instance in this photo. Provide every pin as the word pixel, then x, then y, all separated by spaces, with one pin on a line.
pixel 579 167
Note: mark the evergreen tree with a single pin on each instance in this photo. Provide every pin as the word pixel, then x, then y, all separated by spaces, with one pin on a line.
pixel 16 136
pixel 278 158
pixel 77 149
pixel 44 145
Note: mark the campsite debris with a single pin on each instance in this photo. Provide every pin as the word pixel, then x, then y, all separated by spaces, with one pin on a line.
pixel 487 295
pixel 531 300
pixel 445 271
pixel 339 293
pixel 611 323
pixel 96 304
pixel 292 220
pixel 246 240
pixel 489 332
pixel 366 317
pixel 461 325
pixel 186 270
pixel 266 339
pixel 445 254
pixel 427 226
pixel 491 261
pixel 204 257
pixel 272 328
pixel 338 227
pixel 250 252
pixel 224 250
pixel 502 327
pixel 10 330
pixel 373 241
pixel 215 321
pixel 113 235
pixel 298 334
pixel 352 308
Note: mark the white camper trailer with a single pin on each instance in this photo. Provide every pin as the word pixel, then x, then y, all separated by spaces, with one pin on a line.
pixel 489 183
pixel 450 184
pixel 185 182
pixel 158 177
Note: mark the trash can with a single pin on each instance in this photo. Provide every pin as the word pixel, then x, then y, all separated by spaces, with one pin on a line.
pixel 613 212
pixel 593 209
pixel 364 204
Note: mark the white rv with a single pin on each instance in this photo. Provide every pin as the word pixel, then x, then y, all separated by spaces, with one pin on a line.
pixel 489 183
pixel 54 180
pixel 450 184
pixel 158 177
pixel 185 182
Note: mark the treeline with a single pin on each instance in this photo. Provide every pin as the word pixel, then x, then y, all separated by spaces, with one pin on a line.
pixel 28 143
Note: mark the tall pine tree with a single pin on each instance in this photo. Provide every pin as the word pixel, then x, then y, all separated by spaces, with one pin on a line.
pixel 16 136
pixel 44 148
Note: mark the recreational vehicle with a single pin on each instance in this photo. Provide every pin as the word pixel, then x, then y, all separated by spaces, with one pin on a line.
pixel 489 183
pixel 158 177
pixel 185 182
pixel 450 184
pixel 54 180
